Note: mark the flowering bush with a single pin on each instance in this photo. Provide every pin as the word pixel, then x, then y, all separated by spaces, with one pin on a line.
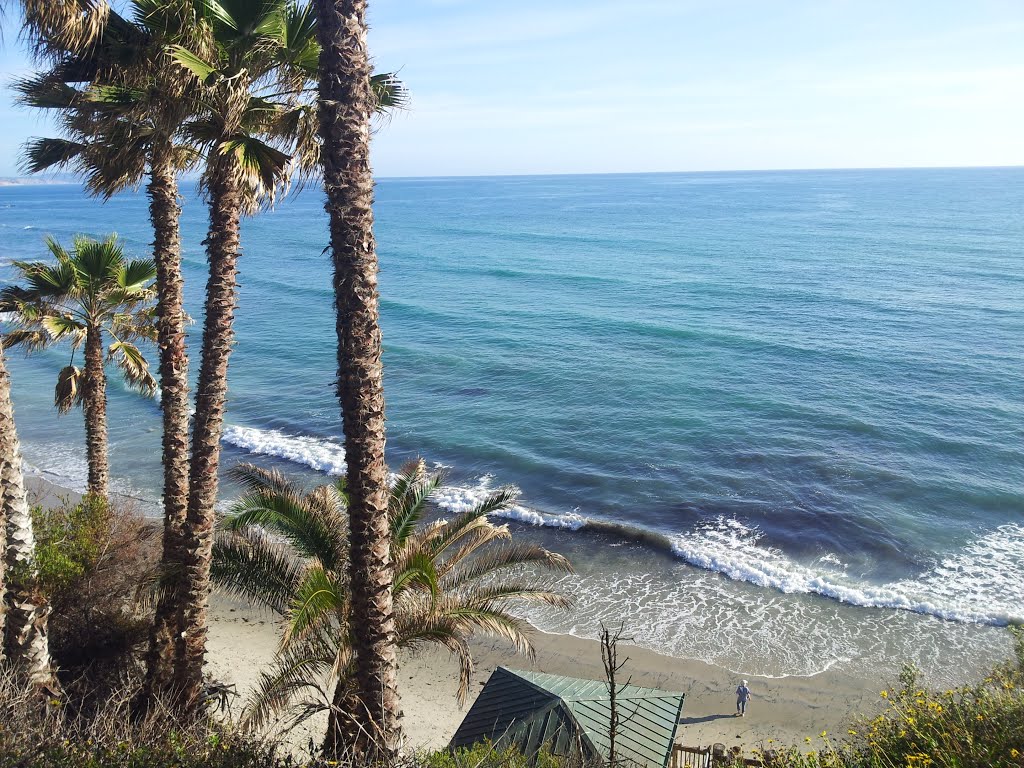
pixel 979 726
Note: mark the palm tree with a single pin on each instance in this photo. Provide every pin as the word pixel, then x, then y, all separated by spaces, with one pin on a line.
pixel 346 107
pixel 255 129
pixel 25 640
pixel 123 104
pixel 288 551
pixel 90 292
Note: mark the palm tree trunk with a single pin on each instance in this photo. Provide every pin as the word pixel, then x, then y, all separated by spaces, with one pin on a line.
pixel 165 213
pixel 95 406
pixel 25 641
pixel 346 107
pixel 342 728
pixel 222 248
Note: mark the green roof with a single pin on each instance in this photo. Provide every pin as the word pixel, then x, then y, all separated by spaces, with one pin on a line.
pixel 533 710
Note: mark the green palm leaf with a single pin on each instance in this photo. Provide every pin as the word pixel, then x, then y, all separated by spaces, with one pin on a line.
pixel 136 275
pixel 285 514
pixel 316 601
pixel 64 327
pixel 134 368
pixel 194 64
pixel 503 557
pixel 252 567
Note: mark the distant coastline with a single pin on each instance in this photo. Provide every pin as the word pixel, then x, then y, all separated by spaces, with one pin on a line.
pixel 28 181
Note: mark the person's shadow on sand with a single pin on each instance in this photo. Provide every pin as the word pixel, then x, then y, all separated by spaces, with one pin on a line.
pixel 705 719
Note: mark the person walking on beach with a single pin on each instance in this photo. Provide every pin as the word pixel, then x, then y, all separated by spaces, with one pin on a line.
pixel 742 697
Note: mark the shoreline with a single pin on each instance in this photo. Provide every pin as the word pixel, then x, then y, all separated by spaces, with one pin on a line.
pixel 784 709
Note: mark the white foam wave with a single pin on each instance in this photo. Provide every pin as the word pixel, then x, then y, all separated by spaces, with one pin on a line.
pixel 328 456
pixel 964 587
pixel 321 454
pixel 458 499
pixel 980 584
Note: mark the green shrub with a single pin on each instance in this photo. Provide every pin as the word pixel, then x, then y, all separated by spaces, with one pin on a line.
pixel 70 540
pixel 486 755
pixel 91 559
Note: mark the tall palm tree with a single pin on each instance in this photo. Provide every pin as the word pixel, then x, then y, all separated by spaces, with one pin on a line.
pixel 25 639
pixel 287 550
pixel 122 105
pixel 89 292
pixel 253 127
pixel 346 107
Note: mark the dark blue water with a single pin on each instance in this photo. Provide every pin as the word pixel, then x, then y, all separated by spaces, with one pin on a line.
pixel 805 384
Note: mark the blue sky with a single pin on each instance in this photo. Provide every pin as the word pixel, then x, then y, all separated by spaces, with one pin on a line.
pixel 581 86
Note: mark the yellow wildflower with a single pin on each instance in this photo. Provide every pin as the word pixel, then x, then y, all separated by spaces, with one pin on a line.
pixel 885 694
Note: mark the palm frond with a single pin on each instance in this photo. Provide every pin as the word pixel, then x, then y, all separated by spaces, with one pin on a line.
pixel 133 366
pixel 30 340
pixel 44 91
pixel 249 565
pixel 389 92
pixel 408 500
pixel 194 63
pixel 464 523
pixel 504 557
pixel 69 391
pixel 136 275
pixel 313 534
pixel 42 154
pixel 317 600
pixel 291 675
pixel 264 167
pixel 64 327
pixel 517 589
pixel 415 570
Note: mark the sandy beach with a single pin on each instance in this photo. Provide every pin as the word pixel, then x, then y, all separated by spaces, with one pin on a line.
pixel 784 710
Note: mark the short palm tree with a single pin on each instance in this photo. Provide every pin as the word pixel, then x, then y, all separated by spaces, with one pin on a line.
pixel 88 293
pixel 288 550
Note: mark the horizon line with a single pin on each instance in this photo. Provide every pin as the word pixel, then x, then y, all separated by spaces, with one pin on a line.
pixel 71 179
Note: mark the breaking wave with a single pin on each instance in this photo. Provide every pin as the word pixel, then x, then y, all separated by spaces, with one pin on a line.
pixel 980 584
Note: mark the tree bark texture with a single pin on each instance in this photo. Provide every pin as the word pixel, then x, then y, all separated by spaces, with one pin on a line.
pixel 165 212
pixel 94 405
pixel 26 643
pixel 346 107
pixel 222 248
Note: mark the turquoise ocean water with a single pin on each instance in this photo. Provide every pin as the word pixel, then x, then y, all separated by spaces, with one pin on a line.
pixel 777 419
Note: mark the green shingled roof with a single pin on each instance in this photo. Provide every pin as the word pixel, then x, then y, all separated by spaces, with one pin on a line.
pixel 567 715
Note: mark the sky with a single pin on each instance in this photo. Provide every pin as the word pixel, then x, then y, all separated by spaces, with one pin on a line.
pixel 588 86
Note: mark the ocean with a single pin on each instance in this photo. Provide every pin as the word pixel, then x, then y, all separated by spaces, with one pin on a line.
pixel 774 418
